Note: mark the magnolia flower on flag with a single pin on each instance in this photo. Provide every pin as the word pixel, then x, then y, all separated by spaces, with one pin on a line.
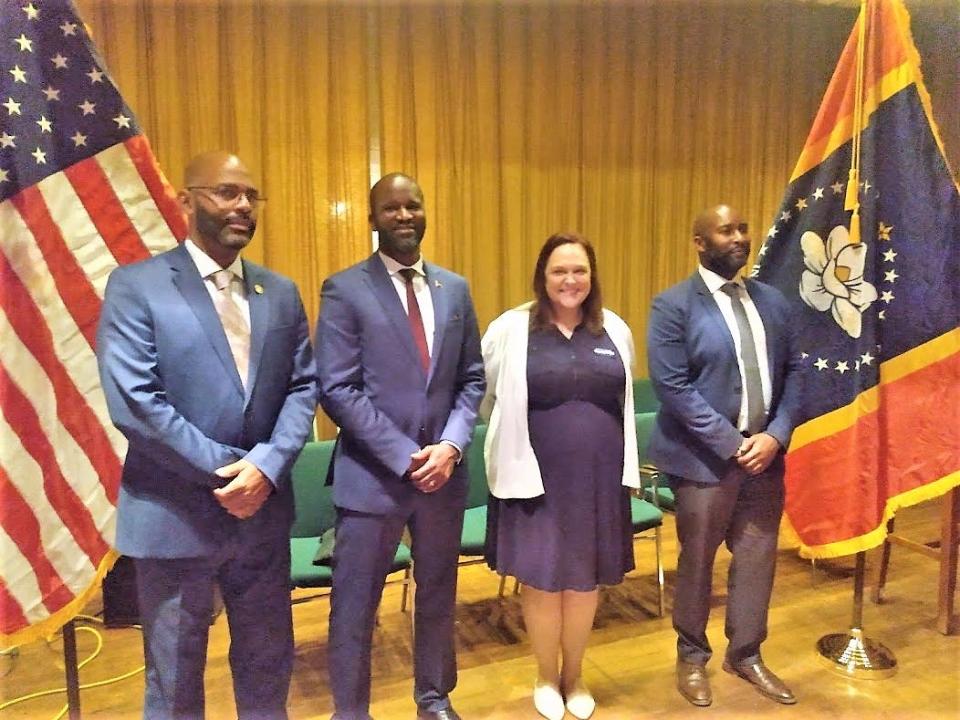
pixel 834 280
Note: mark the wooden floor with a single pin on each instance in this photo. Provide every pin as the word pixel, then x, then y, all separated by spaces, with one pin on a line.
pixel 629 664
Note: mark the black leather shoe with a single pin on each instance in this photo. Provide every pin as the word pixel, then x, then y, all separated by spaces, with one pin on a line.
pixel 763 679
pixel 693 684
pixel 447 714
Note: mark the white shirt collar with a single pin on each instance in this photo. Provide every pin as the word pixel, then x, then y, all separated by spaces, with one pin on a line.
pixel 714 282
pixel 206 265
pixel 393 267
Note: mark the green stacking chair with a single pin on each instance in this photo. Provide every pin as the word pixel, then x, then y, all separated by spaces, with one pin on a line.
pixel 646 516
pixel 473 538
pixel 644 399
pixel 650 477
pixel 315 514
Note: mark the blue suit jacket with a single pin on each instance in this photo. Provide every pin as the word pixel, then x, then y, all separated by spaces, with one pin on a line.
pixel 173 390
pixel 693 369
pixel 373 386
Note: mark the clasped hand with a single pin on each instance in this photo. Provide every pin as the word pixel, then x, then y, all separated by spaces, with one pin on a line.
pixel 757 452
pixel 247 490
pixel 431 466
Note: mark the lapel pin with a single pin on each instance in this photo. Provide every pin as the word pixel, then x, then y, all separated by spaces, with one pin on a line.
pixel 258 289
pixel 437 284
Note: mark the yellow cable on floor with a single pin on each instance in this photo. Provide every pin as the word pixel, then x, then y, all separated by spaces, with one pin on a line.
pixel 86 686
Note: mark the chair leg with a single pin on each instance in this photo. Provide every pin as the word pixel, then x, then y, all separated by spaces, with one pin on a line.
pixel 516 586
pixel 503 584
pixel 657 540
pixel 406 589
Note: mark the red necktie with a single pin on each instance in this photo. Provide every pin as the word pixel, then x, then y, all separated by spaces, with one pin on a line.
pixel 416 319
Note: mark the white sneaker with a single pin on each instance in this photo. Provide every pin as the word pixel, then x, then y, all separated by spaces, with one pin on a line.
pixel 580 702
pixel 547 700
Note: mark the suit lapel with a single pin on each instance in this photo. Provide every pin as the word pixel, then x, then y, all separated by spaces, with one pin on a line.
pixel 712 310
pixel 258 300
pixel 386 294
pixel 441 312
pixel 187 280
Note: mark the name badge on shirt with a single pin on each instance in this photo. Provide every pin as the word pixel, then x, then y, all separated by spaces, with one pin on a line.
pixel 604 351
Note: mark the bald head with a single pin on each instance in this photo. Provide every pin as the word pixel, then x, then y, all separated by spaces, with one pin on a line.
pixel 203 168
pixel 390 181
pixel 722 240
pixel 706 219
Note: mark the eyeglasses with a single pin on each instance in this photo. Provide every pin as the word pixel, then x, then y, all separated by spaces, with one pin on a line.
pixel 230 193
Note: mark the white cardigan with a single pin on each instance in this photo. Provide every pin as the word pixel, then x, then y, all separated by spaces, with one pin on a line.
pixel 512 468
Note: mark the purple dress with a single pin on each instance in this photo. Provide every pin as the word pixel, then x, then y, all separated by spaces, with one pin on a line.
pixel 577 535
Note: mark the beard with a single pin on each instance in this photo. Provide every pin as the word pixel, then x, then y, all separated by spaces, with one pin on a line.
pixel 216 229
pixel 724 263
pixel 402 245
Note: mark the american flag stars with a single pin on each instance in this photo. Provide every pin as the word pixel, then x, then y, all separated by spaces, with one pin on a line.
pixel 57 103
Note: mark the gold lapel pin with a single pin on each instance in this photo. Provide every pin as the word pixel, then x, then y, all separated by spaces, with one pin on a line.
pixel 258 289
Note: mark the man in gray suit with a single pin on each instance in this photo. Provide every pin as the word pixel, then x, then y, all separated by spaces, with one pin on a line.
pixel 398 354
pixel 206 364
pixel 725 369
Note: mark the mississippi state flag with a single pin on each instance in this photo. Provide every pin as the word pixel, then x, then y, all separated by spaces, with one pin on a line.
pixel 878 319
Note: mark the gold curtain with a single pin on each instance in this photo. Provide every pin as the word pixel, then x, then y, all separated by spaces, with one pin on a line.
pixel 616 119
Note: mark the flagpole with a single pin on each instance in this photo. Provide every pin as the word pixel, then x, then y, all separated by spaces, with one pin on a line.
pixel 71 670
pixel 851 653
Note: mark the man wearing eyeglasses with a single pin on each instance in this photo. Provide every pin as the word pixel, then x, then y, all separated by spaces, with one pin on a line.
pixel 208 371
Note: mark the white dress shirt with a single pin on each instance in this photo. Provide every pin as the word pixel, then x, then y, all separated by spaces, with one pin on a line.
pixel 421 289
pixel 206 265
pixel 714 282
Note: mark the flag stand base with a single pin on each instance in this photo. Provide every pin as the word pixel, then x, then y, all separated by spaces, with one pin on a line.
pixel 853 655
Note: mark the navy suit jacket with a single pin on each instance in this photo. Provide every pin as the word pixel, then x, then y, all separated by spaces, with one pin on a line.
pixel 173 390
pixel 373 386
pixel 693 369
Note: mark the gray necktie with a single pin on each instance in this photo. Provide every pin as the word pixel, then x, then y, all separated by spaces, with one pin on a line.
pixel 234 323
pixel 756 415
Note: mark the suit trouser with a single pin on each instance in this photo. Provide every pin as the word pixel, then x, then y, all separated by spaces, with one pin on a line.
pixel 363 554
pixel 744 512
pixel 176 605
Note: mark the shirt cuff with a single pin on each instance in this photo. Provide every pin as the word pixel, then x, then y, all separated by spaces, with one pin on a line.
pixel 456 447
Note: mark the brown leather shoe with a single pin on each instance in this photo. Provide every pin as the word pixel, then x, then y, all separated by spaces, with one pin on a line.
pixel 763 679
pixel 693 684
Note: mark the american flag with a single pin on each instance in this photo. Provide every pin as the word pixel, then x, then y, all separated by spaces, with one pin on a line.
pixel 80 193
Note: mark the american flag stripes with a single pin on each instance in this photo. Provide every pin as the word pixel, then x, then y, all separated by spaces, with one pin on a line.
pixel 80 193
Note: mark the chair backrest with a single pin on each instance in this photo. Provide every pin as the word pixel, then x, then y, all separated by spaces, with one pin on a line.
pixel 645 422
pixel 312 496
pixel 479 492
pixel 644 399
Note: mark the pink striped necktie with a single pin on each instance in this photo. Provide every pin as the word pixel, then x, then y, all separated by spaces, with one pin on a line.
pixel 234 323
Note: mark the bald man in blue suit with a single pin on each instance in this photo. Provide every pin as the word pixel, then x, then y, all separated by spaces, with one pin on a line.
pixel 205 496
pixel 398 355
pixel 725 368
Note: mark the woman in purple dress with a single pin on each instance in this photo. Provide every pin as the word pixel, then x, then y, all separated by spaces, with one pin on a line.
pixel 561 454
